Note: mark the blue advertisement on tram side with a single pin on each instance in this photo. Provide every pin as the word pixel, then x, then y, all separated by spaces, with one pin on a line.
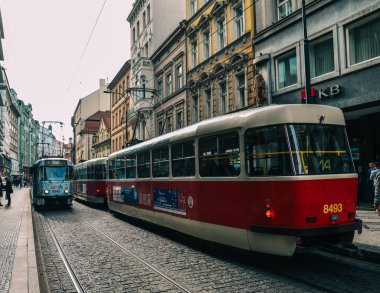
pixel 170 200
pixel 130 195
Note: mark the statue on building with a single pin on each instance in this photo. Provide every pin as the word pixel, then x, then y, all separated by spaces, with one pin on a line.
pixel 259 94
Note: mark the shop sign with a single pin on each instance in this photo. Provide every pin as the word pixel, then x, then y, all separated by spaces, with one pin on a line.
pixel 329 92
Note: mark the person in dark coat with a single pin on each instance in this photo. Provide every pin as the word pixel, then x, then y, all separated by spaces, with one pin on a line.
pixel 8 190
pixel 1 190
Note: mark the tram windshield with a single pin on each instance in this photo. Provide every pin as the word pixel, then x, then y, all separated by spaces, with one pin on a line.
pixel 319 149
pixel 312 149
pixel 58 173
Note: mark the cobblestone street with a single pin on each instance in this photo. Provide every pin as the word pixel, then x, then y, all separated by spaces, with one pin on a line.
pixel 101 265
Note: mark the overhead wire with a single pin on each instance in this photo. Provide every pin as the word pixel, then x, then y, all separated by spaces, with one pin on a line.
pixel 88 42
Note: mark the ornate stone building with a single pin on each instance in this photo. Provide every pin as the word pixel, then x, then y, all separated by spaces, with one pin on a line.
pixel 219 57
pixel 170 82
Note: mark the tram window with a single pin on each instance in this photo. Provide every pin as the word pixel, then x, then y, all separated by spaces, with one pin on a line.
pixel 183 159
pixel 83 173
pixel 267 152
pixel 219 156
pixel 131 167
pixel 112 169
pixel 99 171
pixel 91 172
pixel 320 149
pixel 160 164
pixel 120 167
pixel 143 165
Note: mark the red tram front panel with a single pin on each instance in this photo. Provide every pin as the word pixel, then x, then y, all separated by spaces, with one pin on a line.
pixel 91 190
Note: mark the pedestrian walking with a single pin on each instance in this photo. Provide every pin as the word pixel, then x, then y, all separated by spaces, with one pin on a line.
pixel 1 189
pixel 370 186
pixel 8 191
pixel 375 177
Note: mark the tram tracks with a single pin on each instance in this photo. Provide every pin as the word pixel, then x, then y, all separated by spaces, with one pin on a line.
pixel 196 270
pixel 78 286
pixel 177 287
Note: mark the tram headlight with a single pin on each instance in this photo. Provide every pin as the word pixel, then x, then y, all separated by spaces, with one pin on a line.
pixel 66 191
pixel 46 191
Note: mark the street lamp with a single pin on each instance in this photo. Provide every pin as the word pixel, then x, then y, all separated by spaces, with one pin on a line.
pixel 126 112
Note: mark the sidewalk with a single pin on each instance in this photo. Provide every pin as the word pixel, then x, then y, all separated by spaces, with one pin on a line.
pixel 368 242
pixel 18 268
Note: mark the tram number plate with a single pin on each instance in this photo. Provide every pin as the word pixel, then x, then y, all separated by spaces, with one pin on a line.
pixel 332 208
pixel 55 191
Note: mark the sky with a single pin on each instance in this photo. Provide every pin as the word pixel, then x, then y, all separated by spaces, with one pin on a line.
pixel 51 58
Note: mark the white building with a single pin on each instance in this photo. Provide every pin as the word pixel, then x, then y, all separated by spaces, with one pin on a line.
pixel 148 17
pixel 86 107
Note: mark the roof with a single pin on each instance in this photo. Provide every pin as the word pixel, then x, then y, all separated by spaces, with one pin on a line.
pixel 92 123
pixel 123 70
pixel 254 117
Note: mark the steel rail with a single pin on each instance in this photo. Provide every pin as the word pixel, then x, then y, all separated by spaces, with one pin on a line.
pixel 71 272
pixel 134 255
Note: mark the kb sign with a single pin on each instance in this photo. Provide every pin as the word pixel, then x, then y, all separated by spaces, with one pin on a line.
pixel 329 92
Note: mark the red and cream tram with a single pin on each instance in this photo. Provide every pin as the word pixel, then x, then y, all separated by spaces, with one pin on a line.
pixel 265 179
pixel 90 181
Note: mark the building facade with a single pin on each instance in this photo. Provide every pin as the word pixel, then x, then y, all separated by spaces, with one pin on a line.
pixel 121 103
pixel 148 18
pixel 170 82
pixel 101 146
pixel 86 107
pixel 219 58
pixel 28 139
pixel 344 58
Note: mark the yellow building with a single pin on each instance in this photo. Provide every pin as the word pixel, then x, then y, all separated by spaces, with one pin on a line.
pixel 219 57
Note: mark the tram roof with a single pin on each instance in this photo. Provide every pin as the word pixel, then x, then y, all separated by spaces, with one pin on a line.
pixel 101 160
pixel 42 160
pixel 254 117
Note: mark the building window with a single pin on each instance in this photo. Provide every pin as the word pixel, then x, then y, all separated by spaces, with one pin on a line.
pixel 193 7
pixel 146 49
pixel 223 97
pixel 222 38
pixel 138 29
pixel 239 20
pixel 322 56
pixel 287 70
pixel 195 109
pixel 144 19
pixel 159 130
pixel 179 120
pixel 148 13
pixel 179 77
pixel 208 104
pixel 364 41
pixel 159 89
pixel 284 8
pixel 240 90
pixel 206 45
pixel 134 35
pixel 169 124
pixel 194 53
pixel 168 85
